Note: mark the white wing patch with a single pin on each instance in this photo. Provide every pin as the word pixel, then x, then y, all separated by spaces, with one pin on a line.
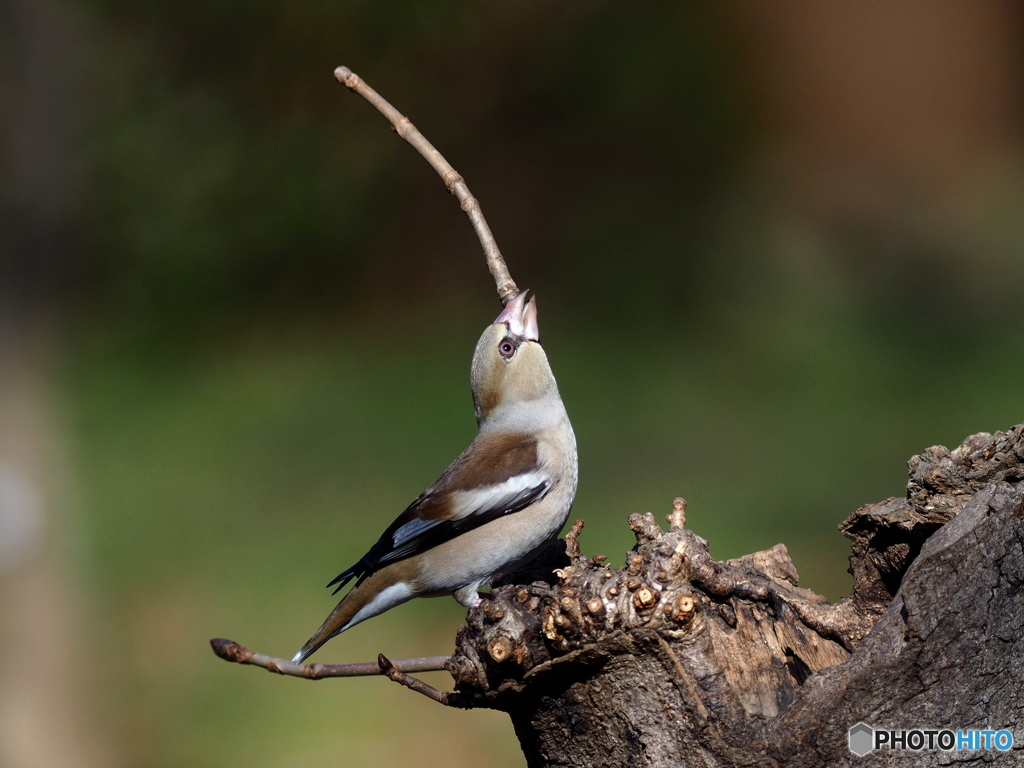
pixel 465 503
pixel 467 509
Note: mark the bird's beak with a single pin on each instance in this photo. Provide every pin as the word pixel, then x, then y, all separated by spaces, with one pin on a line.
pixel 520 315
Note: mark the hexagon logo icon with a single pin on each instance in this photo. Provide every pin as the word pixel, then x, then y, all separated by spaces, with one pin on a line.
pixel 862 739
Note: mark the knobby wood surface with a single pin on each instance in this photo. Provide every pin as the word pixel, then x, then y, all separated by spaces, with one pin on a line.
pixel 676 659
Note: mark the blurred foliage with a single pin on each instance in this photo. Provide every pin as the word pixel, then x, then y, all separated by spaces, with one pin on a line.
pixel 275 304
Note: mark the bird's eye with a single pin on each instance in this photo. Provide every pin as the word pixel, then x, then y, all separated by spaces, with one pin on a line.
pixel 506 349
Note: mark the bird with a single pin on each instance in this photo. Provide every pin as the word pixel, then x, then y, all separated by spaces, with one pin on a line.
pixel 498 505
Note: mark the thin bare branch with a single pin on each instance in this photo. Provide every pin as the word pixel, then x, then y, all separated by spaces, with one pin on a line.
pixel 677 518
pixel 392 672
pixel 452 180
pixel 229 650
pixel 572 540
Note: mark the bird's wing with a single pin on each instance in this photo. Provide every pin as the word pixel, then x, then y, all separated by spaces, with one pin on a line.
pixel 498 475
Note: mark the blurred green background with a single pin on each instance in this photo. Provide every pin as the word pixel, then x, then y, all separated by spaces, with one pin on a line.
pixel 777 250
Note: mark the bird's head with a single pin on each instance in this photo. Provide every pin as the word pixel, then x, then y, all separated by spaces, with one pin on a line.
pixel 509 365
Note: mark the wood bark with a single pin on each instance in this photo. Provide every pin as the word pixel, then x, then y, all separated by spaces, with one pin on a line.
pixel 676 659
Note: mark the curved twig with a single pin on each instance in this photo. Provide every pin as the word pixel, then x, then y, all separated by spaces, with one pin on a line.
pixel 229 650
pixel 452 180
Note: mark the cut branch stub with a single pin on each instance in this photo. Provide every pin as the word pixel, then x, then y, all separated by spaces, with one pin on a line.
pixel 677 659
pixel 670 588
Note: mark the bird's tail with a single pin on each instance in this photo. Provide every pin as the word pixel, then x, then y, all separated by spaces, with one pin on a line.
pixel 369 597
pixel 339 620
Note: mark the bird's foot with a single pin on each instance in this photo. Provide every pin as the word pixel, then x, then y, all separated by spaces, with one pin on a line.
pixel 469 596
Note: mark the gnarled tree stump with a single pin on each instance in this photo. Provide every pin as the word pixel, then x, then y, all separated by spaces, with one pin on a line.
pixel 676 659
